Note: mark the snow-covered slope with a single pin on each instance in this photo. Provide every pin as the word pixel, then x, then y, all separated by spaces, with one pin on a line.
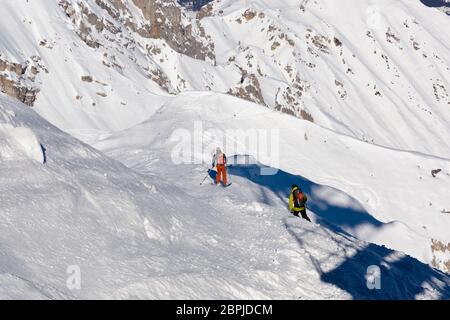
pixel 130 77
pixel 83 209
pixel 387 197
pixel 376 70
pixel 136 236
pixel 379 72
pixel 87 89
pixel 79 208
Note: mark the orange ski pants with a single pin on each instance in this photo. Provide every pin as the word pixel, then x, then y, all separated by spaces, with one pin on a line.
pixel 221 171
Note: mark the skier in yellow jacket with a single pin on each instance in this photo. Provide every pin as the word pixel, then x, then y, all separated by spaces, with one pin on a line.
pixel 297 202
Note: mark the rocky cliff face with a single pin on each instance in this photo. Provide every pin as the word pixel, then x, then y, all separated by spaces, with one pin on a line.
pixel 20 80
pixel 155 26
pixel 301 59
pixel 158 19
pixel 168 22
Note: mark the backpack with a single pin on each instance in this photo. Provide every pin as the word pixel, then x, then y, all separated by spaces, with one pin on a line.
pixel 221 159
pixel 298 196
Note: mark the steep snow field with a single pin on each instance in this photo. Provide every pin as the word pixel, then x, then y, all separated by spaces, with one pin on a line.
pixel 100 103
pixel 376 183
pixel 379 72
pixel 374 84
pixel 376 70
pixel 137 236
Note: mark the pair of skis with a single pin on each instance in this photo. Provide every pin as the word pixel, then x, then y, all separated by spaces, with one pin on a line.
pixel 223 185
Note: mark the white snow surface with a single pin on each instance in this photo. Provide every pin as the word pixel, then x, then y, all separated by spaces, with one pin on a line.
pixel 143 236
pixel 21 139
pixel 388 83
pixel 361 188
pixel 138 225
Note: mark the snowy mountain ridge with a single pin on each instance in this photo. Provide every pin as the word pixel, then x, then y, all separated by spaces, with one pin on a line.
pixel 360 102
pixel 300 57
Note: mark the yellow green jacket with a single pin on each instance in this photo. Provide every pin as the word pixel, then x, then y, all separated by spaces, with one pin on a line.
pixel 294 205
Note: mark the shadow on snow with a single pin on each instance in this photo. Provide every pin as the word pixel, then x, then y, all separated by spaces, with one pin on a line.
pixel 401 278
pixel 435 3
pixel 333 208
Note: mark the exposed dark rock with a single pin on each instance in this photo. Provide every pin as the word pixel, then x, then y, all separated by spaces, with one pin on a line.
pixel 435 172
pixel 16 79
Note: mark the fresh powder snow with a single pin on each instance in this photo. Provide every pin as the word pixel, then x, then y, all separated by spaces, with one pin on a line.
pixel 110 113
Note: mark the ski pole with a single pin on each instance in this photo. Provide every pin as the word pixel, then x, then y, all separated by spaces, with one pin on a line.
pixel 201 183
